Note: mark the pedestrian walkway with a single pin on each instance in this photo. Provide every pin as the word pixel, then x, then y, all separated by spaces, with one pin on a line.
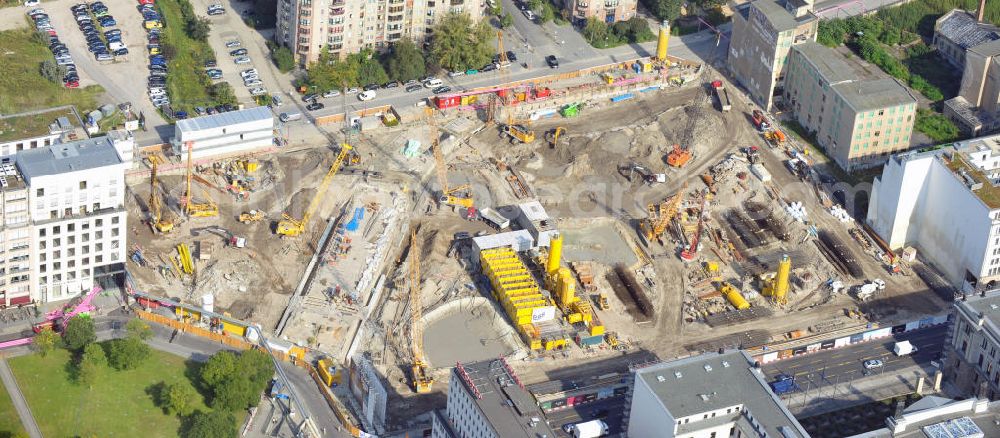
pixel 27 420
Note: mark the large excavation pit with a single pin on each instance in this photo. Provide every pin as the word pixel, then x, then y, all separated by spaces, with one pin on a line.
pixel 467 330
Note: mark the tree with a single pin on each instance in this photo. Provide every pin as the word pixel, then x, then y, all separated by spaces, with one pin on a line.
pixel 547 13
pixel 52 71
pixel 177 398
pixel 198 28
pixel 45 341
pixel 237 381
pixel 79 332
pixel 215 424
pixel 222 92
pixel 368 69
pixel 139 329
pixel 282 57
pixel 94 354
pixel 460 45
pixel 90 364
pixel 664 9
pixel 128 353
pixel 406 61
pixel 329 73
pixel 506 20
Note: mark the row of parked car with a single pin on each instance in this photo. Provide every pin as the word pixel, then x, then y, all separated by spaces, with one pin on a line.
pixel 156 83
pixel 105 45
pixel 59 50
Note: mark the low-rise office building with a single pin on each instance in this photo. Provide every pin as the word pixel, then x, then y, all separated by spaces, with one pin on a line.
pixel 710 395
pixel 225 134
pixel 957 31
pixel 858 121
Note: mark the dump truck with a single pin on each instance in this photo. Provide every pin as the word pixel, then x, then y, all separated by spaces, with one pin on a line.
pixel 760 121
pixel 493 218
pixel 589 429
pixel 783 384
pixel 723 95
pixel 904 348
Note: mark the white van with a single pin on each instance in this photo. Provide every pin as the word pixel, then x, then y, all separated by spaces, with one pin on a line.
pixel 433 82
pixel 289 117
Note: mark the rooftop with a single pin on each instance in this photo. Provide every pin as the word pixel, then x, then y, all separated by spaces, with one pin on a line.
pixel 67 157
pixel 986 304
pixel 829 64
pixel 983 187
pixel 779 17
pixel 509 408
pixel 533 211
pixel 714 381
pixel 10 178
pixel 945 418
pixel 875 94
pixel 962 28
pixel 225 119
pixel 33 124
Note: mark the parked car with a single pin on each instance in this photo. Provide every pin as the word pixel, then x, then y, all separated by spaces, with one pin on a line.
pixel 552 61
pixel 233 43
pixel 180 115
pixel 121 52
pixel 238 52
pixel 433 82
pixel 352 90
pixel 371 87
pixel 103 56
pixel 310 97
pixel 242 60
pixel 72 84
pixel 511 56
pixel 315 106
pixel 31 3
pixel 471 71
pixel 332 93
pixel 214 74
pixel 529 15
pixel 489 67
pixel 872 364
pixel 392 84
pixel 276 100
pixel 210 63
pixel 253 83
pixel 414 87
pixel 259 91
pixel 442 90
pixel 366 95
pixel 411 82
pixel 455 74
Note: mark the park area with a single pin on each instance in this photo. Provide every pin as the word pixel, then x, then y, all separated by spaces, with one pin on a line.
pixel 24 52
pixel 10 423
pixel 119 403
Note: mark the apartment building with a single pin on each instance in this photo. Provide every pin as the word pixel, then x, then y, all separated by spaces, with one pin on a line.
pixel 347 26
pixel 971 361
pixel 16 285
pixel 763 33
pixel 708 396
pixel 487 400
pixel 76 194
pixel 609 11
pixel 946 204
pixel 858 122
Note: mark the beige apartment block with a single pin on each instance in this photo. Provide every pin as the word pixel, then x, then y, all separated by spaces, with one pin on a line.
pixel 609 11
pixel 347 26
pixel 858 121
pixel 763 33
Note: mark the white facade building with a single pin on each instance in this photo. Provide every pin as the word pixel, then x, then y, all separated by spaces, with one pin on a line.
pixel 76 194
pixel 16 285
pixel 708 396
pixel 946 204
pixel 225 134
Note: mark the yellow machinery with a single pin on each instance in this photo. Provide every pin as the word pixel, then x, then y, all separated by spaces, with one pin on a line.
pixel 553 136
pixel 734 296
pixel 602 301
pixel 184 254
pixel 251 216
pixel 422 380
pixel 157 221
pixel 663 41
pixel 195 209
pixel 291 227
pixel 514 287
pixel 457 196
pixel 518 132
pixel 777 287
pixel 560 280
pixel 660 216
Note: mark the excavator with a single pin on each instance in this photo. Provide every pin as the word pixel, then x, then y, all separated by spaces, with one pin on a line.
pixel 553 136
pixel 457 196
pixel 192 208
pixel 157 221
pixel 291 227
pixel 518 132
pixel 678 157
pixel 648 177
pixel 251 216
pixel 422 380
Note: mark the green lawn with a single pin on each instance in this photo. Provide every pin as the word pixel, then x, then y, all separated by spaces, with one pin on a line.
pixel 117 406
pixel 22 87
pixel 10 423
pixel 187 84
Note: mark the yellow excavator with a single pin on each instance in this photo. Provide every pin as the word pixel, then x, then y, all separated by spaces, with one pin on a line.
pixel 192 208
pixel 553 136
pixel 457 196
pixel 291 227
pixel 518 132
pixel 251 216
pixel 422 380
pixel 157 221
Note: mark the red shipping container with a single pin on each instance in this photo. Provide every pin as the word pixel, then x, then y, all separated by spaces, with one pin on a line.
pixel 542 92
pixel 448 101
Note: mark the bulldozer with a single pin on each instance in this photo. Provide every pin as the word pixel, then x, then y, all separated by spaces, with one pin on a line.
pixel 518 133
pixel 678 157
pixel 251 216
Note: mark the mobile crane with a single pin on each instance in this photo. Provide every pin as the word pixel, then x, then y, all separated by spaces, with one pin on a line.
pixel 422 381
pixel 291 227
pixel 196 209
pixel 458 196
pixel 157 221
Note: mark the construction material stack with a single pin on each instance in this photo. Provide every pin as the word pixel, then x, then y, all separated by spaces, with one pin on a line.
pixel 520 296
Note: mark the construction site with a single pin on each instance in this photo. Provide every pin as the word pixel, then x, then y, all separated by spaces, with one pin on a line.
pixel 665 216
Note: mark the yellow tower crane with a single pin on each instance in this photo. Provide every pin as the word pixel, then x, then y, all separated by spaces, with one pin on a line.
pixel 661 215
pixel 503 65
pixel 157 221
pixel 422 380
pixel 197 209
pixel 458 196
pixel 291 227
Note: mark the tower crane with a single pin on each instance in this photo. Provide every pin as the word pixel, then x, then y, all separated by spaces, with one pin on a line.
pixel 157 221
pixel 196 209
pixel 458 196
pixel 422 381
pixel 291 227
pixel 495 101
pixel 661 215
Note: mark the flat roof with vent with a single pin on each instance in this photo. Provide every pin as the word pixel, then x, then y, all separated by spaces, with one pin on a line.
pixel 510 410
pixel 67 157
pixel 710 382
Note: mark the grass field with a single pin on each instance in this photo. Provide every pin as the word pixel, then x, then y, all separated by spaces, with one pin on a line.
pixel 187 84
pixel 10 423
pixel 119 404
pixel 22 87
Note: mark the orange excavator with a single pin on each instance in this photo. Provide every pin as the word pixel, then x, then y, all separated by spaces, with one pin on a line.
pixel 679 157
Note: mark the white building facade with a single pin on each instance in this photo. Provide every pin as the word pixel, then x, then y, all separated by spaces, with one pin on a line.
pixel 942 203
pixel 225 134
pixel 76 194
pixel 16 285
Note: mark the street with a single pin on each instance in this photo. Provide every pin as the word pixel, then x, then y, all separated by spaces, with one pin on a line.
pixel 843 364
pixel 610 410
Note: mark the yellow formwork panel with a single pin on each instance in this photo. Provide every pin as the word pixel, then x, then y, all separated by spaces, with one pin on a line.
pixel 596 329
pixel 574 318
pixel 235 329
pixel 554 344
pixel 182 312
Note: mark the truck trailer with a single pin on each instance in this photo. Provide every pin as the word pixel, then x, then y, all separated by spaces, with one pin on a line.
pixel 723 95
pixel 494 218
pixel 904 348
pixel 588 429
pixel 783 384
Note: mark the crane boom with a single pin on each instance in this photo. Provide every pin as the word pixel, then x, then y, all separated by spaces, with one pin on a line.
pixel 292 227
pixel 195 209
pixel 421 380
pixel 442 170
pixel 155 207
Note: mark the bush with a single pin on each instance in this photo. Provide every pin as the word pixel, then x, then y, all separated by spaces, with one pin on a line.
pixel 45 341
pixel 236 381
pixel 51 71
pixel 282 57
pixel 176 398
pixel 215 424
pixel 936 126
pixel 126 354
pixel 870 49
pixel 223 93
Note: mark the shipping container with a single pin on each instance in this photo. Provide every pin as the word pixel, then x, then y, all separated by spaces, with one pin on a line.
pixel 235 329
pixel 443 102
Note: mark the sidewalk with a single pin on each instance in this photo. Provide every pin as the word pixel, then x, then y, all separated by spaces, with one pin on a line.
pixel 27 420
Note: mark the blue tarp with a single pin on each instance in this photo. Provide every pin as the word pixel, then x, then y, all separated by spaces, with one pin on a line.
pixel 626 96
pixel 359 214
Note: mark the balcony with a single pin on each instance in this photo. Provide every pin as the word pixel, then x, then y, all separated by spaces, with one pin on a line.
pixel 304 31
pixel 395 18
pixel 337 11
pixel 338 3
pixel 457 2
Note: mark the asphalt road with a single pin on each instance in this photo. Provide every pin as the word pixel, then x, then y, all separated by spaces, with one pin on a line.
pixel 611 410
pixel 842 364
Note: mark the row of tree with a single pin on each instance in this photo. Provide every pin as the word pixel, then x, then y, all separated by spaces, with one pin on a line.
pixel 633 30
pixel 458 45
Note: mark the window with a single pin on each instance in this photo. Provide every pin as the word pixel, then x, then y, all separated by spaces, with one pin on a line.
pixel 40 192
pixel 98 222
pixel 71 227
pixel 56 242
pixel 83 185
pixel 983 345
pixel 114 221
pixel 41 232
